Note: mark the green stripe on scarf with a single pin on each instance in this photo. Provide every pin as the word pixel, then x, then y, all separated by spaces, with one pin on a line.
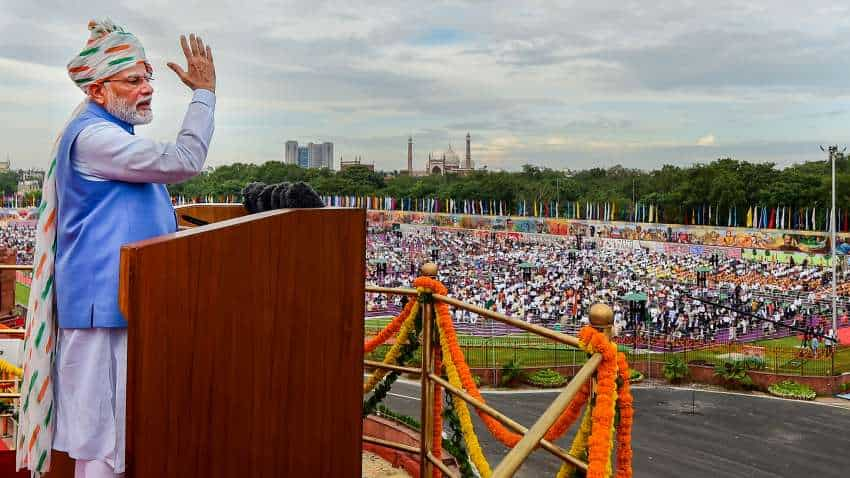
pixel 47 288
pixel 40 335
pixel 32 383
pixel 52 166
pixel 89 51
pixel 49 416
pixel 41 460
pixel 122 60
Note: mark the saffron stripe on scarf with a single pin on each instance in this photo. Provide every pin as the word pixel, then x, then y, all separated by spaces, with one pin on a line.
pixel 43 389
pixel 40 267
pixel 49 223
pixel 117 48
pixel 34 436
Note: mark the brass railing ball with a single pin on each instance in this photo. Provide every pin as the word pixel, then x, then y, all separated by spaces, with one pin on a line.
pixel 601 315
pixel 429 269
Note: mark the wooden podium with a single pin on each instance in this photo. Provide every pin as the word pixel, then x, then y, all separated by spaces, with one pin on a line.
pixel 245 346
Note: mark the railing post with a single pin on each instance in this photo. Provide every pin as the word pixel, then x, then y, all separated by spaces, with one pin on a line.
pixel 426 469
pixel 602 319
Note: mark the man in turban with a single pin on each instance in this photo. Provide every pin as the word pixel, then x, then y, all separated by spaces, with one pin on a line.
pixel 105 187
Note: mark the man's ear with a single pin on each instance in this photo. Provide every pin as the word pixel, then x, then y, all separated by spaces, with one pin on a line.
pixel 97 93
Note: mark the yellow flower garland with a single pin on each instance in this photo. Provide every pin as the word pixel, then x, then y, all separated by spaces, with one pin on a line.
pixel 474 448
pixel 392 355
pixel 579 442
pixel 6 367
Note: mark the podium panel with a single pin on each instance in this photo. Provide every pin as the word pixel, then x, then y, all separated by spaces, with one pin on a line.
pixel 245 347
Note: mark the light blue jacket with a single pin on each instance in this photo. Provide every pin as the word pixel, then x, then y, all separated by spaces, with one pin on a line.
pixel 95 218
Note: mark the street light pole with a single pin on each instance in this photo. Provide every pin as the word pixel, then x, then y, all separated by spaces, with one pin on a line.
pixel 833 152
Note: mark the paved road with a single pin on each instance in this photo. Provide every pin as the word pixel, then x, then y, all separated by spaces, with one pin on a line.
pixel 727 436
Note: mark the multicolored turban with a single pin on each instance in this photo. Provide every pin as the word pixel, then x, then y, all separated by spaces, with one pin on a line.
pixel 109 50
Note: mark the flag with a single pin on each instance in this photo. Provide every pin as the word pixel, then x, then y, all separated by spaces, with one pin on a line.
pixel 772 223
pixel 750 217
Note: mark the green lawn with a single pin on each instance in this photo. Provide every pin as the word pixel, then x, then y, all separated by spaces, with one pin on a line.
pixel 791 342
pixel 780 355
pixel 22 294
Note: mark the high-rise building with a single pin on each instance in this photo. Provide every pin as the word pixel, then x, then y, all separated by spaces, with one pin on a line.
pixel 303 157
pixel 328 155
pixel 316 154
pixel 313 155
pixel 291 155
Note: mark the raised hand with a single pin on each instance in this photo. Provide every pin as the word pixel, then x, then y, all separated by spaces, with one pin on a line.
pixel 200 63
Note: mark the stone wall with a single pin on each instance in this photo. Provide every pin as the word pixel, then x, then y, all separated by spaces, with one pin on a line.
pixel 823 385
pixel 7 281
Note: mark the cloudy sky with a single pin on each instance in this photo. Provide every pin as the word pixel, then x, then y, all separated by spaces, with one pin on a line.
pixel 562 84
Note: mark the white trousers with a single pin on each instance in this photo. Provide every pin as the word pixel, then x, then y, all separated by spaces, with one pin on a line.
pixel 94 469
pixel 90 388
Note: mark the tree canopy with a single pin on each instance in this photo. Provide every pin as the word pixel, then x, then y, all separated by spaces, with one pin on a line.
pixel 724 183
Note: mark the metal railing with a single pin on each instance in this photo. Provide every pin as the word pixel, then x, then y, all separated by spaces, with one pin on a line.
pixel 533 437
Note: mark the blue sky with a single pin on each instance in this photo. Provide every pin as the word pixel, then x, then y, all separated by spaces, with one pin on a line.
pixel 559 84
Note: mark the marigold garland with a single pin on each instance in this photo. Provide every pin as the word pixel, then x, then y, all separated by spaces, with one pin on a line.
pixel 391 328
pixel 598 430
pixel 600 443
pixel 579 444
pixel 624 427
pixel 392 354
pixel 474 448
pixel 6 367
pixel 437 440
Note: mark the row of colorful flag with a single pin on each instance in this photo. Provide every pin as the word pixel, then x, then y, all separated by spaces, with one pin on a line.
pixel 759 217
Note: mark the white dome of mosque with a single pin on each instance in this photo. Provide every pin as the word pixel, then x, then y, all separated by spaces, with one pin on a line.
pixel 451 156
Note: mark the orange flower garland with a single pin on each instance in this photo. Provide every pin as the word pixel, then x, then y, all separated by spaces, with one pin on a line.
pixel 603 431
pixel 390 330
pixel 599 445
pixel 624 428
pixel 570 414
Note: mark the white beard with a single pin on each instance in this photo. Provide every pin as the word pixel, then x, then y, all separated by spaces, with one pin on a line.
pixel 119 108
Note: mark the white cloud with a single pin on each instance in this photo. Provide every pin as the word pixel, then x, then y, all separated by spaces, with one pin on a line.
pixel 707 140
pixel 604 80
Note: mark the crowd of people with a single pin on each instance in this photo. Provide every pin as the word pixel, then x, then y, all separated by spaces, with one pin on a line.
pixel 655 297
pixel 20 236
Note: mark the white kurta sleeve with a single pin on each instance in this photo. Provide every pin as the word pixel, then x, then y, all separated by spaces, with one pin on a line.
pixel 104 151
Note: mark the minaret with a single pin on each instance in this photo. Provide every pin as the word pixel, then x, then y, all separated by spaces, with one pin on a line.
pixel 468 153
pixel 410 156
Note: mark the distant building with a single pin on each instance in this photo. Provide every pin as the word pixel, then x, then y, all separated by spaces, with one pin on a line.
pixel 303 157
pixel 314 155
pixel 6 165
pixel 29 180
pixel 442 162
pixel 343 165
pixel 291 154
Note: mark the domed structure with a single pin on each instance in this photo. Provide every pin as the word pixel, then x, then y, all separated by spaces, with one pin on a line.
pixel 444 162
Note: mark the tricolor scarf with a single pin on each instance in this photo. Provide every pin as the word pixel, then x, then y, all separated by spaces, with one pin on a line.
pixel 108 51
